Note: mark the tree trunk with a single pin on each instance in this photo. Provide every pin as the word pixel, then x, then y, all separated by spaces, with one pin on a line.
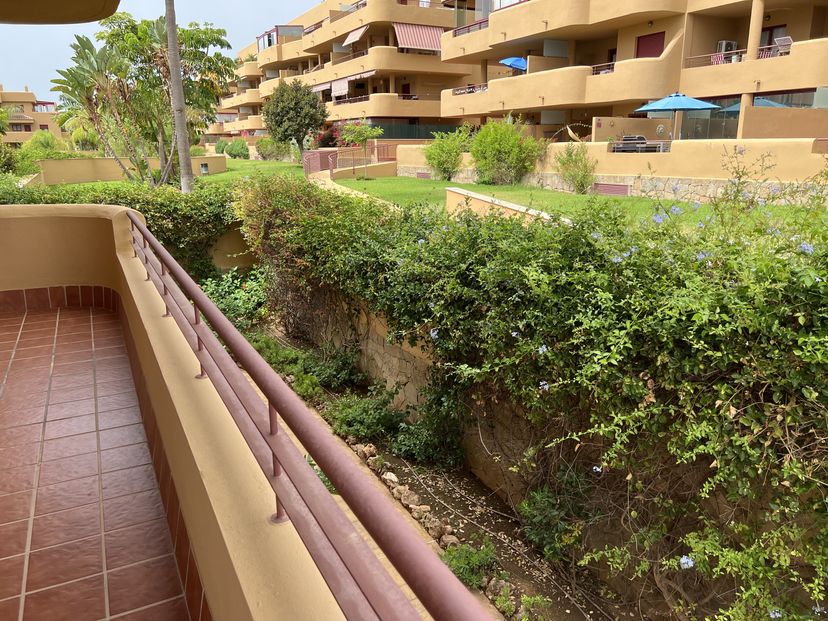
pixel 177 98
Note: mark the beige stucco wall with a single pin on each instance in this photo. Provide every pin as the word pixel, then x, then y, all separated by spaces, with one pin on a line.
pixel 788 122
pixel 87 170
pixel 604 127
pixel 458 199
pixel 251 569
pixel 383 169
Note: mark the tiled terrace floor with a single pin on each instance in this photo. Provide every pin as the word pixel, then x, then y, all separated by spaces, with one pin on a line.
pixel 82 531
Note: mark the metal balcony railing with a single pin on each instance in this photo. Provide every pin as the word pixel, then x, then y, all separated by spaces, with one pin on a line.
pixel 344 59
pixel 473 27
pixel 735 56
pixel 362 587
pixel 603 68
pixel 472 88
pixel 356 6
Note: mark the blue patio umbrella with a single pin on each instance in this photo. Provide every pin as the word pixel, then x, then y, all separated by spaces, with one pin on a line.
pixel 515 62
pixel 677 103
pixel 759 102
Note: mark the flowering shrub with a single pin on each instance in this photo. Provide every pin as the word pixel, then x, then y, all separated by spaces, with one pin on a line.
pixel 445 154
pixel 678 372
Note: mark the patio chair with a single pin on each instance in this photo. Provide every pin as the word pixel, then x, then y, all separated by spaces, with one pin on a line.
pixel 717 59
pixel 783 45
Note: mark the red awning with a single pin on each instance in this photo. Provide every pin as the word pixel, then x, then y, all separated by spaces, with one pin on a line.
pixel 417 37
pixel 355 35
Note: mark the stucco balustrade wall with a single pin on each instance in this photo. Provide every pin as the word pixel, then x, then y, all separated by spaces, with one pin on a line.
pixel 87 170
pixel 250 568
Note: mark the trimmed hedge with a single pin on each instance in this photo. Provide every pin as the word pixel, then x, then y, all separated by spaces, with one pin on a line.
pixel 679 372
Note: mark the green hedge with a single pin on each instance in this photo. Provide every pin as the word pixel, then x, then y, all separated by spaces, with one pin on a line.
pixel 678 372
pixel 187 224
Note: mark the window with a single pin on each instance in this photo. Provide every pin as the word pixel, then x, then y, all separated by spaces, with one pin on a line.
pixel 44 127
pixel 17 127
pixel 771 34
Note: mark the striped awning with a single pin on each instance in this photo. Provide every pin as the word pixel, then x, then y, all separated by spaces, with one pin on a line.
pixel 339 87
pixel 321 87
pixel 362 76
pixel 355 35
pixel 418 37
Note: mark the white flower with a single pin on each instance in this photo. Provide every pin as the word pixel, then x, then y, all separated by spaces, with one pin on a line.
pixel 597 469
pixel 544 386
pixel 775 614
pixel 687 562
pixel 543 349
pixel 435 334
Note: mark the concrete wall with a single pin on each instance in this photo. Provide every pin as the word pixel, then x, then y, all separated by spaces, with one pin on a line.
pixel 785 122
pixel 87 170
pixel 458 199
pixel 383 169
pixel 604 127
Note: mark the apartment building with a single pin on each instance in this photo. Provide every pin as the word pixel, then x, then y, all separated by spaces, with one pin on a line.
pixel 241 110
pixel 27 114
pixel 373 59
pixel 596 58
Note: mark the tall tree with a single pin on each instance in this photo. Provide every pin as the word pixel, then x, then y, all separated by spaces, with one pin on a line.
pixel 292 112
pixel 4 121
pixel 179 106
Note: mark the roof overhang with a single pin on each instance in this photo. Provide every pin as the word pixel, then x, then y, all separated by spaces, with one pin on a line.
pixel 56 11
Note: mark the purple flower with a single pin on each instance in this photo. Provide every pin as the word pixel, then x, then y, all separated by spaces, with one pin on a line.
pixel 696 206
pixel 616 259
pixel 675 210
pixel 596 235
pixel 687 562
pixel 806 248
pixel 676 187
pixel 420 242
pixel 543 349
pixel 700 225
pixel 701 256
pixel 740 150
pixel 659 218
pixel 544 386
pixel 435 334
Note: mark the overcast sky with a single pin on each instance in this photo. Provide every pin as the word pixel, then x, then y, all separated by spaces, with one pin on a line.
pixel 31 54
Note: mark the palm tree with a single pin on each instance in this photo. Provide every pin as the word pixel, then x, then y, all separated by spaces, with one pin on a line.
pixel 178 104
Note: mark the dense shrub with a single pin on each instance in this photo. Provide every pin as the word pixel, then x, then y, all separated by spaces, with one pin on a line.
pixel 7 159
pixel 445 154
pixel 238 149
pixel 504 152
pixel 576 167
pixel 470 564
pixel 682 369
pixel 365 418
pixel 327 138
pixel 187 224
pixel 269 149
pixel 241 296
pixel 197 151
pixel 220 146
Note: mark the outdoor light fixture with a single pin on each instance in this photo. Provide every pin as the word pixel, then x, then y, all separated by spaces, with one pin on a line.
pixel 650 24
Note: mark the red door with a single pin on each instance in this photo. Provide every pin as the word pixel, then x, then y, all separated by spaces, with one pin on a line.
pixel 649 46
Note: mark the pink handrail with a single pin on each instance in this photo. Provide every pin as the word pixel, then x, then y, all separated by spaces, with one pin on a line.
pixel 361 586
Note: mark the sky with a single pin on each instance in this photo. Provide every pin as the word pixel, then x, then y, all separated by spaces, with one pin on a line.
pixel 32 54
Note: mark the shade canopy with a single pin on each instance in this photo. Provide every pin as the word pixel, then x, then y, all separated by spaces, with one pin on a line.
pixel 515 62
pixel 355 35
pixel 325 86
pixel 418 37
pixel 55 11
pixel 677 103
pixel 758 102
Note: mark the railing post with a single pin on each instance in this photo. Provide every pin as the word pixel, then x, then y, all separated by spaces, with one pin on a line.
pixel 197 320
pixel 280 515
pixel 164 282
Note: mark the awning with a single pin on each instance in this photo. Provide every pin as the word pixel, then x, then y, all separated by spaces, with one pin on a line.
pixel 355 35
pixel 361 76
pixel 418 37
pixel 321 87
pixel 339 87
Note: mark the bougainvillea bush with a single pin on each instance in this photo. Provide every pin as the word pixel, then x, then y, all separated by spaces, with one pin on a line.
pixel 678 367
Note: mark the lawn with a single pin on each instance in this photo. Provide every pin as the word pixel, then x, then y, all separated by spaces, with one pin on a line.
pixel 406 190
pixel 238 169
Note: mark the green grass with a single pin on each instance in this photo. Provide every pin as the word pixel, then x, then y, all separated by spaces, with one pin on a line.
pixel 238 169
pixel 407 190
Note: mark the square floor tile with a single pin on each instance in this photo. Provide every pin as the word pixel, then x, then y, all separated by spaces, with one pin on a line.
pixel 19 455
pixel 68 468
pixel 65 526
pixel 137 543
pixel 122 436
pixel 70 426
pixel 11 576
pixel 64 563
pixel 119 418
pixel 117 402
pixel 69 446
pixel 173 610
pixel 10 608
pixel 25 434
pixel 17 479
pixel 75 393
pixel 67 495
pixel 13 538
pixel 133 509
pixel 71 408
pixel 129 481
pixel 143 584
pixel 78 601
pixel 125 457
pixel 14 507
pixel 78 380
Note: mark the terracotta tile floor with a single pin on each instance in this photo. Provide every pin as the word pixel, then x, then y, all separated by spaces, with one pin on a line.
pixel 82 530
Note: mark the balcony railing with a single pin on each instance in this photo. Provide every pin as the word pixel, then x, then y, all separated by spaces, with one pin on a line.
pixel 735 56
pixel 356 6
pixel 345 59
pixel 472 88
pixel 357 580
pixel 505 4
pixel 603 68
pixel 349 100
pixel 473 27
pixel 425 4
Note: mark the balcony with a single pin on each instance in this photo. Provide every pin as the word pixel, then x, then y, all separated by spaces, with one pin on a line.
pixel 249 69
pixel 144 469
pixel 580 85
pixel 534 19
pixel 250 97
pixel 712 76
pixel 251 123
pixel 286 52
pixel 384 105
